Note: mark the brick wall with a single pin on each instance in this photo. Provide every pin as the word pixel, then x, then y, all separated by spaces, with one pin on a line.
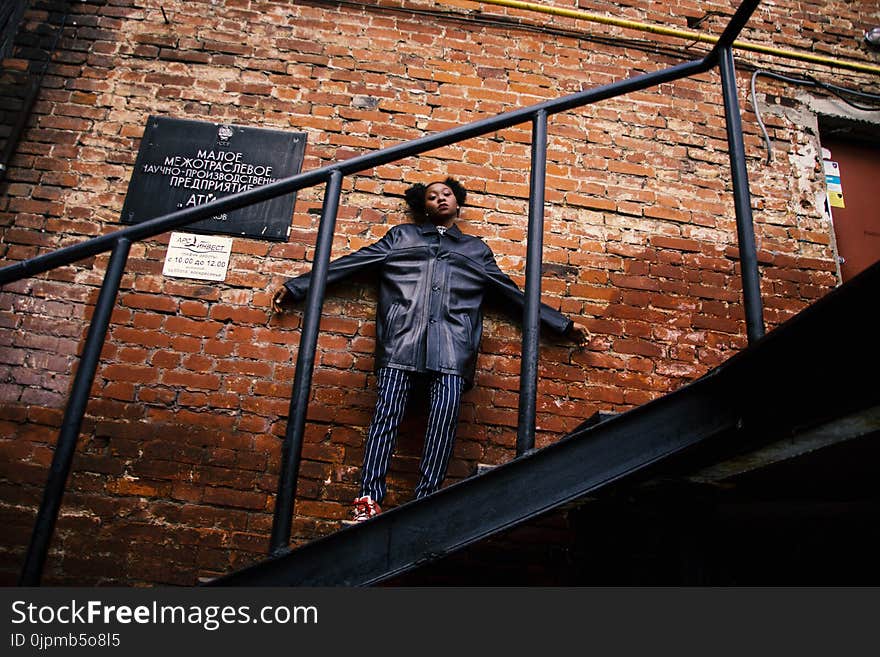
pixel 177 464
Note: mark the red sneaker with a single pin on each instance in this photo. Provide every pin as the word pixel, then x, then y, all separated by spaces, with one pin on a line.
pixel 364 509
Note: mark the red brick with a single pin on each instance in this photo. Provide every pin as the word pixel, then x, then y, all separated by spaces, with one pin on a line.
pixel 191 380
pixel 235 498
pixel 189 327
pixel 238 315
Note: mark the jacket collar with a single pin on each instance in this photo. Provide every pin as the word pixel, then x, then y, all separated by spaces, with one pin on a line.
pixel 453 231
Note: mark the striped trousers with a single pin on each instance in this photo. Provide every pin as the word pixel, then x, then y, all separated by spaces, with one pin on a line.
pixel 445 401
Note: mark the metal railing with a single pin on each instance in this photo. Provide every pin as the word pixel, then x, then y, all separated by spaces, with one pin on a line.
pixel 119 242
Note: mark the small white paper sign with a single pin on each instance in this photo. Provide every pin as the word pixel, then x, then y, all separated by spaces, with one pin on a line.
pixel 197 256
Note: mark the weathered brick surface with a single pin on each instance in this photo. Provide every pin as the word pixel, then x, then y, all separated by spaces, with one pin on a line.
pixel 176 470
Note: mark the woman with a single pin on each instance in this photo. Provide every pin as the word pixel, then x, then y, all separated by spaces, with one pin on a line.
pixel 432 282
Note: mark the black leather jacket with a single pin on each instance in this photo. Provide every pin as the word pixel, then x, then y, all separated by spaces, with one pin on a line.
pixel 431 290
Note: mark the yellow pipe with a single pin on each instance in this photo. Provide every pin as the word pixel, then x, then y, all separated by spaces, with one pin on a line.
pixel 683 34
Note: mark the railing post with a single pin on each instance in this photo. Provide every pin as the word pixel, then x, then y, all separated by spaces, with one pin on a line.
pixel 528 381
pixel 291 452
pixel 44 526
pixel 745 230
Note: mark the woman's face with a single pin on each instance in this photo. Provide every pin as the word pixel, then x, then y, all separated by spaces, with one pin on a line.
pixel 441 205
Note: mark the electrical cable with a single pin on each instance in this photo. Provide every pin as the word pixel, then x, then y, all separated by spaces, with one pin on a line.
pixel 839 92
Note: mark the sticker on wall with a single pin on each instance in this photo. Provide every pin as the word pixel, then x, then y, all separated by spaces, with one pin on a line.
pixel 832 184
pixel 197 256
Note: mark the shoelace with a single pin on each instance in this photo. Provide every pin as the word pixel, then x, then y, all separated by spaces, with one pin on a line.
pixel 363 509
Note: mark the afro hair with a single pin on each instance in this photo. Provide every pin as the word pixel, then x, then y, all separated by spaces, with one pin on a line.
pixel 415 195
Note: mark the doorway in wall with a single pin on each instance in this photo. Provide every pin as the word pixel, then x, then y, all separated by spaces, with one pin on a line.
pixel 854 154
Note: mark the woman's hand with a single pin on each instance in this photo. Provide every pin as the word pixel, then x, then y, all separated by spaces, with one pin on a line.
pixel 579 333
pixel 282 297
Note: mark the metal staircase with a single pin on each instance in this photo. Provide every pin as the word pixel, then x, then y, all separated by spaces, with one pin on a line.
pixel 809 383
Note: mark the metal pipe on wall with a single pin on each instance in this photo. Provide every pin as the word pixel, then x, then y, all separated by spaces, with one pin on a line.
pixel 682 34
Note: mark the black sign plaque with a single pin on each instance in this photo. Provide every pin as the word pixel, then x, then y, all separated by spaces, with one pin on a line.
pixel 183 163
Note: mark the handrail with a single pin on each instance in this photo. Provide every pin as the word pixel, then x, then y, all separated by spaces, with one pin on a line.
pixel 745 230
pixel 73 415
pixel 119 242
pixel 186 216
pixel 305 363
pixel 528 373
